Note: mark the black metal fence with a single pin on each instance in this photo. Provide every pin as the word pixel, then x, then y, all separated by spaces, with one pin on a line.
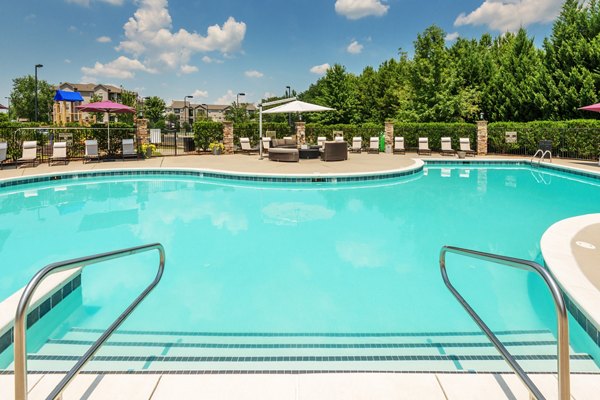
pixel 576 143
pixel 109 140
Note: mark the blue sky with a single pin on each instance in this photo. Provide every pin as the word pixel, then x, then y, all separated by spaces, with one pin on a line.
pixel 215 49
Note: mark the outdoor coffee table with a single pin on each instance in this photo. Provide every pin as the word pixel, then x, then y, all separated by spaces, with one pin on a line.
pixel 308 154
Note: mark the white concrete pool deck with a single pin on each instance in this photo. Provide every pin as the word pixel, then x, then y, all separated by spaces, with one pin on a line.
pixel 303 387
pixel 373 386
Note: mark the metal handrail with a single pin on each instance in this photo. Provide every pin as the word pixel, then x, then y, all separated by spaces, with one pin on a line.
pixel 20 342
pixel 561 312
pixel 543 154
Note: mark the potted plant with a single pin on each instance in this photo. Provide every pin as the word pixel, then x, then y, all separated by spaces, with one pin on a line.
pixel 148 150
pixel 216 148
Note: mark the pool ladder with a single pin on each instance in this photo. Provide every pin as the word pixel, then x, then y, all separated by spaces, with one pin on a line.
pixel 542 154
pixel 20 342
pixel 561 312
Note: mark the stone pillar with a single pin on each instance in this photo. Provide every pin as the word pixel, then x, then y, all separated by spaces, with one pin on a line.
pixel 143 134
pixel 228 137
pixel 482 138
pixel 389 133
pixel 301 132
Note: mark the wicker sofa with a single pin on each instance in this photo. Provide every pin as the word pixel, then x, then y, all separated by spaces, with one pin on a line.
pixel 334 151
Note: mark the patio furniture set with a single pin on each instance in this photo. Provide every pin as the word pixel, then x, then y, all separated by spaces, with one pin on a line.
pixel 286 149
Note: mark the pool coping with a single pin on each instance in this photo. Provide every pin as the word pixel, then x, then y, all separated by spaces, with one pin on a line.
pixel 581 296
pixel 316 177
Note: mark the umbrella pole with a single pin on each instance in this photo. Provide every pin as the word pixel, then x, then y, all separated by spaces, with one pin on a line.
pixel 108 125
pixel 260 142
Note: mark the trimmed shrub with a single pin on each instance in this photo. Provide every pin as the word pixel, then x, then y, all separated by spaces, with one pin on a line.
pixel 250 130
pixel 206 132
pixel 313 131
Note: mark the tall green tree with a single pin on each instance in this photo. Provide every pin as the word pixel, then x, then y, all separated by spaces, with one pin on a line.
pixel 337 89
pixel 22 99
pixel 154 109
pixel 573 56
pixel 128 98
pixel 518 88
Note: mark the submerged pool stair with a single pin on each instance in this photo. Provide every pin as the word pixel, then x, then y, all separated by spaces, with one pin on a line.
pixel 202 352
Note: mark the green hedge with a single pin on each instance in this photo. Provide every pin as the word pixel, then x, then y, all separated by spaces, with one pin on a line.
pixel 313 131
pixel 570 139
pixel 250 130
pixel 206 132
pixel 434 131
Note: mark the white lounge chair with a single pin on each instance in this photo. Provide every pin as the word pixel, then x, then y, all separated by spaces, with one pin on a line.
pixel 321 141
pixel 338 136
pixel 356 144
pixel 128 149
pixel 399 145
pixel 59 153
pixel 91 150
pixel 29 153
pixel 424 146
pixel 3 148
pixel 266 143
pixel 447 149
pixel 374 144
pixel 339 139
pixel 246 147
pixel 465 145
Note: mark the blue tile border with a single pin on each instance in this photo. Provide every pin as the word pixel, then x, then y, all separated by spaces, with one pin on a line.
pixel 216 175
pixel 41 310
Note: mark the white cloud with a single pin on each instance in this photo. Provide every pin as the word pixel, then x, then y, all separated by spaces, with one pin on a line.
pixel 149 33
pixel 188 69
pixel 209 60
pixel 254 74
pixel 121 68
pixel 354 47
pixel 227 98
pixel 356 9
pixel 103 39
pixel 510 15
pixel 200 93
pixel 151 41
pixel 67 61
pixel 30 17
pixel 450 37
pixel 269 95
pixel 320 69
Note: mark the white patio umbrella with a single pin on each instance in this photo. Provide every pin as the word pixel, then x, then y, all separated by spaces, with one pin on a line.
pixel 291 105
pixel 297 106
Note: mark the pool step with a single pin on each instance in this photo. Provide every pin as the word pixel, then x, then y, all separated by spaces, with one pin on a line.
pixel 303 352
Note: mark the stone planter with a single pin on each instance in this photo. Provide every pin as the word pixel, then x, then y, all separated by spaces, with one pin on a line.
pixel 148 152
pixel 461 154
pixel 216 151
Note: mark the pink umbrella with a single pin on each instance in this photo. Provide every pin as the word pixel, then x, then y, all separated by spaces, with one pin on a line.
pixel 2 107
pixel 107 107
pixel 593 107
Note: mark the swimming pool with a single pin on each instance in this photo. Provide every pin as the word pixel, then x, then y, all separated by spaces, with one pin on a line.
pixel 297 276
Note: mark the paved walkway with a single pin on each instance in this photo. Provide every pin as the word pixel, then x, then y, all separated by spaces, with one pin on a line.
pixel 303 387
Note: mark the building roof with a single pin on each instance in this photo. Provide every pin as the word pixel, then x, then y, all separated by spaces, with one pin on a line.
pixel 211 107
pixel 89 87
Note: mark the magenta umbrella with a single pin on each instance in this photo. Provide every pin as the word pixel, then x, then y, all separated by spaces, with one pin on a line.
pixel 2 107
pixel 107 107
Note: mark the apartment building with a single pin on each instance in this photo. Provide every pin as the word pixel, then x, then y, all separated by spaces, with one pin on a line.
pixel 64 111
pixel 190 112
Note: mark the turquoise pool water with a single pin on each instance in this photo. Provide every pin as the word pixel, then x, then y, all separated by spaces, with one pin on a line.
pixel 286 259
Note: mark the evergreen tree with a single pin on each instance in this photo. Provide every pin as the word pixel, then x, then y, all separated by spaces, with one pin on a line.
pixel 573 56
